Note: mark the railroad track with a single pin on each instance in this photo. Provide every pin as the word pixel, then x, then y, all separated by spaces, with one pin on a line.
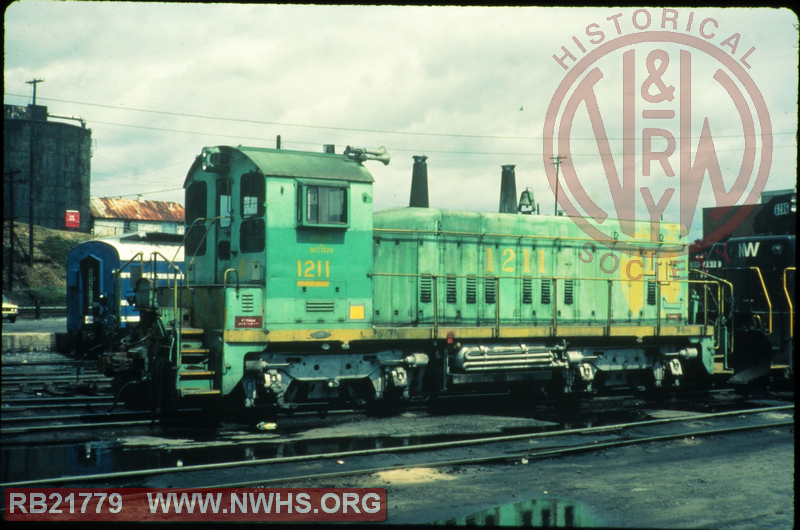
pixel 520 448
pixel 75 377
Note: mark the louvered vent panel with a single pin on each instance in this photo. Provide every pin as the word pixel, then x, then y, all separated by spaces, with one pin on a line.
pixel 316 306
pixel 546 283
pixel 569 288
pixel 472 290
pixel 425 286
pixel 527 291
pixel 248 305
pixel 491 290
pixel 651 293
pixel 451 290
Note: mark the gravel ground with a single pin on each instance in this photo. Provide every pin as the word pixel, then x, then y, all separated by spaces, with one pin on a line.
pixel 735 481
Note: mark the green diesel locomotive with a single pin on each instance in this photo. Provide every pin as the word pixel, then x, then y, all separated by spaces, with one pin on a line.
pixel 296 291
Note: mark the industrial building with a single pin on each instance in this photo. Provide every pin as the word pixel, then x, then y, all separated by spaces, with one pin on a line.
pixel 46 168
pixel 122 216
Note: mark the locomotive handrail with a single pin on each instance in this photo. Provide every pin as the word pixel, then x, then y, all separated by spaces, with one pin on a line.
pixel 225 290
pixel 789 300
pixel 608 307
pixel 497 307
pixel 139 254
pixel 766 295
pixel 118 274
pixel 205 234
pixel 176 272
pixel 225 278
pixel 721 307
pixel 496 279
pixel 521 236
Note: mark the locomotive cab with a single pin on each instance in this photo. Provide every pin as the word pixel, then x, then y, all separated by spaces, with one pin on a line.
pixel 276 278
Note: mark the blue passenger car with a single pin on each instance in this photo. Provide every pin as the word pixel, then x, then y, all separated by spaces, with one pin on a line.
pixel 102 275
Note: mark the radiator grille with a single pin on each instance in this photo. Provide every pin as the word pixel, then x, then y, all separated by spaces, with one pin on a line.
pixel 651 293
pixel 472 290
pixel 546 290
pixel 569 288
pixel 490 290
pixel 425 286
pixel 248 304
pixel 527 291
pixel 451 290
pixel 320 306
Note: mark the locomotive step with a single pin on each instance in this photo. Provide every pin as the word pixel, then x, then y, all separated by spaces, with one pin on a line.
pixel 193 355
pixel 719 368
pixel 191 339
pixel 199 392
pixel 194 374
pixel 194 351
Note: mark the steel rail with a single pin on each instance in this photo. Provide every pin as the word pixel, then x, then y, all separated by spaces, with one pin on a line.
pixel 25 430
pixel 83 417
pixel 402 449
pixel 59 406
pixel 59 376
pixel 74 426
pixel 65 364
pixel 20 402
pixel 588 447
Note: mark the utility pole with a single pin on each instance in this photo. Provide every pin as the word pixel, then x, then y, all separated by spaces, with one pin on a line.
pixel 31 172
pixel 557 162
pixel 10 177
pixel 34 83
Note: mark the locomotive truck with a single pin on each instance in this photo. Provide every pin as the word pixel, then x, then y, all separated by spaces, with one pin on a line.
pixel 297 292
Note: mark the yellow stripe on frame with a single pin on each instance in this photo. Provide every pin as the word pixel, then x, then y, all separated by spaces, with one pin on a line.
pixel 313 283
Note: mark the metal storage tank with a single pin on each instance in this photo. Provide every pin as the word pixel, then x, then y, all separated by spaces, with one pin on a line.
pixel 58 161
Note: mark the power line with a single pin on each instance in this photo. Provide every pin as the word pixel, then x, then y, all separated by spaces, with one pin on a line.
pixel 326 127
pixel 470 152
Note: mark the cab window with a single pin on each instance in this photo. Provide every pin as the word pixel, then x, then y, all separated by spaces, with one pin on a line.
pixel 224 202
pixel 252 195
pixel 196 196
pixel 324 206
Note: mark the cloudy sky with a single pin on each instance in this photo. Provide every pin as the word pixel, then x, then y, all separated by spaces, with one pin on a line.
pixel 468 87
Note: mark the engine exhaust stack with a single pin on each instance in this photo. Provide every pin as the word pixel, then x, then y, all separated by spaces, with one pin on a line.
pixel 508 190
pixel 419 183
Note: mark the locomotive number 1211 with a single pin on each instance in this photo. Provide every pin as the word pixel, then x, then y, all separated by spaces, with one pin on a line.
pixel 313 269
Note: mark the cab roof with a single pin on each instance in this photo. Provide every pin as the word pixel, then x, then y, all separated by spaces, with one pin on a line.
pixel 297 164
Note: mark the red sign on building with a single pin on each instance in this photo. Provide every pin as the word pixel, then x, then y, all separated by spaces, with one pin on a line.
pixel 72 219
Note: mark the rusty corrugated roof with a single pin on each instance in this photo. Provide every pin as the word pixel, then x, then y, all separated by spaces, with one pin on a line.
pixel 130 209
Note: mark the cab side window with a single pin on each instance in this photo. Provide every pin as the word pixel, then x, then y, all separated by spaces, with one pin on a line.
pixel 323 205
pixel 252 199
pixel 196 197
pixel 252 195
